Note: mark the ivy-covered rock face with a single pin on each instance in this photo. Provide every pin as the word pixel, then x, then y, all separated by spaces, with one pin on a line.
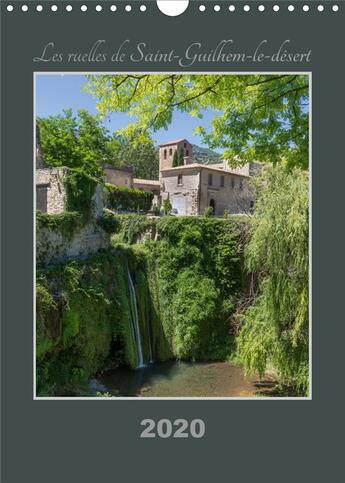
pixel 184 297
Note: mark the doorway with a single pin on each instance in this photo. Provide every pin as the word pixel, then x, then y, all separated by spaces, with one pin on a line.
pixel 213 206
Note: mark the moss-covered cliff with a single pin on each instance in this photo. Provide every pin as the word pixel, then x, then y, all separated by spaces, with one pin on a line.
pixel 186 283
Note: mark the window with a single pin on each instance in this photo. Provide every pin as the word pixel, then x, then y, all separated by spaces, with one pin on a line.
pixel 170 152
pixel 210 179
pixel 222 181
pixel 185 145
pixel 42 198
pixel 232 182
pixel 241 184
pixel 187 152
pixel 179 179
pixel 165 154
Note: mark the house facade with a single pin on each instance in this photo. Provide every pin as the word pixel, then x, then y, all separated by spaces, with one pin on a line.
pixel 193 187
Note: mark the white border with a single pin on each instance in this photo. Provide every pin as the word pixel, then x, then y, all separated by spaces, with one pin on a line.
pixel 242 398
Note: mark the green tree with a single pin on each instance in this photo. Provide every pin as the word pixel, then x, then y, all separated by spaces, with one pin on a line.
pixel 81 144
pixel 180 157
pixel 276 326
pixel 74 141
pixel 256 117
pixel 132 149
pixel 175 160
pixel 167 207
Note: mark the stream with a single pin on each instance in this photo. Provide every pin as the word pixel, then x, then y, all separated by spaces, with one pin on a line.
pixel 178 379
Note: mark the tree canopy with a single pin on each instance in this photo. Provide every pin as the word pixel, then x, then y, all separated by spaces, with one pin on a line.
pixel 74 141
pixel 256 117
pixel 129 149
pixel 82 142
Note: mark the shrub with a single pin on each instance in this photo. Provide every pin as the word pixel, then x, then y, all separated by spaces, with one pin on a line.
pixel 80 188
pixel 109 222
pixel 128 199
pixel 208 211
pixel 167 207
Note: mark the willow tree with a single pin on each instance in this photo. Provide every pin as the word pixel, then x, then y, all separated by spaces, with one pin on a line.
pixel 256 117
pixel 275 331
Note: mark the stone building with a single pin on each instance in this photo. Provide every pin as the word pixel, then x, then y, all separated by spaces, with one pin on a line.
pixel 167 150
pixel 192 187
pixel 50 190
pixel 118 176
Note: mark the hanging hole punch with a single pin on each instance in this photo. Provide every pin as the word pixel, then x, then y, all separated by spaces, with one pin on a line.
pixel 172 8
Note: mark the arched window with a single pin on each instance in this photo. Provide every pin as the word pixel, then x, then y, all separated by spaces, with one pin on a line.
pixel 187 152
pixel 165 154
pixel 179 179
pixel 170 152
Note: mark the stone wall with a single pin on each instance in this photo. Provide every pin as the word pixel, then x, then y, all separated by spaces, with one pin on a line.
pixel 118 177
pixel 50 190
pixel 184 197
pixel 249 169
pixel 53 247
pixel 234 196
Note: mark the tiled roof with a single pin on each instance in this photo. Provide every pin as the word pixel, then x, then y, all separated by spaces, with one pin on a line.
pixel 203 166
pixel 127 169
pixel 174 142
pixel 153 182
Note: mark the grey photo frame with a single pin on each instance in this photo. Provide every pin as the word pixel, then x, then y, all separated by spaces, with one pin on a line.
pixel 57 440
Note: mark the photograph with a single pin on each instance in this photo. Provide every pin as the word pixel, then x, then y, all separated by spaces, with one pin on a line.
pixel 172 235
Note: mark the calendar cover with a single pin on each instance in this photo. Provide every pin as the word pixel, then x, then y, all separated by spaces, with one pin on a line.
pixel 172 241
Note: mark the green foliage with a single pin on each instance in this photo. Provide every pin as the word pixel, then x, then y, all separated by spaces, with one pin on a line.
pixel 194 312
pixel 175 160
pixel 128 199
pixel 74 141
pixel 186 284
pixel 79 143
pixel 208 211
pixel 66 223
pixel 128 228
pixel 197 267
pixel 276 328
pixel 136 151
pixel 156 209
pixel 167 206
pixel 80 188
pixel 257 117
pixel 109 222
pixel 180 158
pixel 82 312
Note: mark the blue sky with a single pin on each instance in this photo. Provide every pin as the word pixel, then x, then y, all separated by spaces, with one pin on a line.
pixel 57 92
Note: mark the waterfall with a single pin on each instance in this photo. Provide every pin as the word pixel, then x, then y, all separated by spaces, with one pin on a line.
pixel 135 320
pixel 149 338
